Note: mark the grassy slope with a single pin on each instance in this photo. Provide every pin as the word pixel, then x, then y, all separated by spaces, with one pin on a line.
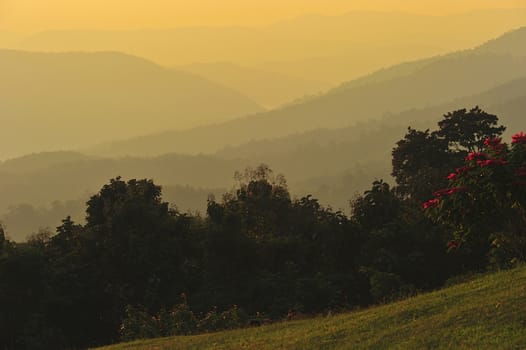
pixel 485 313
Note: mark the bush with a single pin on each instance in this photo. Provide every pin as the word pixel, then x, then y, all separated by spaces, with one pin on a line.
pixel 386 286
pixel 233 318
pixel 180 321
pixel 138 324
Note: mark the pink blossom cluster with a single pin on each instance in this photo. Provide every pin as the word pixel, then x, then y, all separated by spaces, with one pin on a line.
pixel 476 156
pixel 440 194
pixel 460 171
pixel 519 138
pixel 496 147
pixel 448 191
pixel 488 162
pixel 431 203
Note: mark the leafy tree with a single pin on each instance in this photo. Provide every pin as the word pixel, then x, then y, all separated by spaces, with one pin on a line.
pixel 467 130
pixel 241 228
pixel 280 254
pixel 24 289
pixel 142 247
pixel 377 207
pixel 420 161
pixel 399 244
pixel 41 238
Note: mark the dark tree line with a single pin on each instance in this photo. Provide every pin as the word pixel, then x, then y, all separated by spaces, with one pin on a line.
pixel 256 248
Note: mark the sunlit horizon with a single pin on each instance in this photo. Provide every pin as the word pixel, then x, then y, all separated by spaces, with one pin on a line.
pixel 29 16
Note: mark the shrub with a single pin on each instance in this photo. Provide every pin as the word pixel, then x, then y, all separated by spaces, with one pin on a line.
pixel 180 321
pixel 233 318
pixel 138 324
pixel 386 286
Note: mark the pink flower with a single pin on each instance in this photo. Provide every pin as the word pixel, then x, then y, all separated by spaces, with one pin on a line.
pixel 452 245
pixel 476 156
pixel 495 142
pixel 519 138
pixel 488 162
pixel 452 176
pixel 448 191
pixel 431 203
pixel 441 193
pixel 455 190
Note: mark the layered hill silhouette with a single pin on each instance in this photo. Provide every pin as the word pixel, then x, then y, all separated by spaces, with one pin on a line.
pixel 390 91
pixel 317 144
pixel 329 163
pixel 315 47
pixel 268 88
pixel 66 100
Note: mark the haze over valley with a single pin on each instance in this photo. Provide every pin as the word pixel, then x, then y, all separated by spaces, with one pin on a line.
pixel 121 115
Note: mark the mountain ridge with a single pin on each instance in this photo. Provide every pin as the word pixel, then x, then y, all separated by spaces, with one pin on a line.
pixel 85 98
pixel 455 75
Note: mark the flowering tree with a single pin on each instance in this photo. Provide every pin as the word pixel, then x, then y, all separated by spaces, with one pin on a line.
pixel 486 200
pixel 421 157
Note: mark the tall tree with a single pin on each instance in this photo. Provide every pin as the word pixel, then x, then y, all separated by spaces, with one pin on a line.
pixel 466 130
pixel 420 162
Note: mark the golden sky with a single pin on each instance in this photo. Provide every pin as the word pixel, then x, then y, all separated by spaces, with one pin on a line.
pixel 37 15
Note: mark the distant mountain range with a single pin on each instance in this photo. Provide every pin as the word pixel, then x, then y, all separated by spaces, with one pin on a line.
pixel 331 145
pixel 389 91
pixel 264 86
pixel 53 101
pixel 313 47
pixel 330 164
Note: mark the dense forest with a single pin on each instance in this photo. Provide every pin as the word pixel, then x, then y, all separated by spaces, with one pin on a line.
pixel 138 267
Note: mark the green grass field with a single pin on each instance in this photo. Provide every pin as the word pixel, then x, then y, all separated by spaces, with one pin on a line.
pixel 488 312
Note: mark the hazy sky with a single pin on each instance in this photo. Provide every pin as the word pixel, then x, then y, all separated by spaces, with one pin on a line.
pixel 36 15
